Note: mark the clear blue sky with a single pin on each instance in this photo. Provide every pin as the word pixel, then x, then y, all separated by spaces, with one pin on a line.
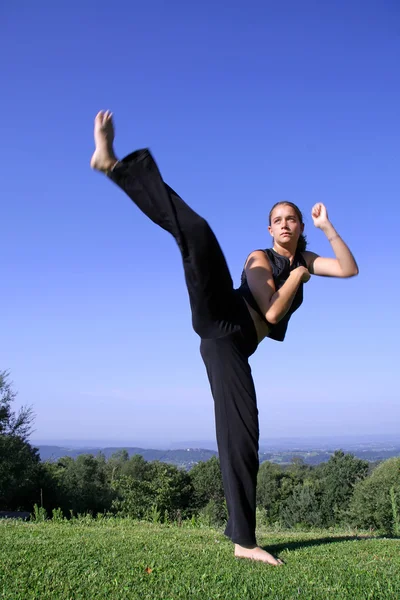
pixel 242 104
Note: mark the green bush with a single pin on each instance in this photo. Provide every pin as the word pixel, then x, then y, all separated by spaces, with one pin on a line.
pixel 375 503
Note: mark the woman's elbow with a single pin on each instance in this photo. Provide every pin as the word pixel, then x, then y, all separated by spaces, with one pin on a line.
pixel 351 272
pixel 271 317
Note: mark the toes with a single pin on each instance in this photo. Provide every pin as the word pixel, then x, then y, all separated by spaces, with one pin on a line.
pixel 103 117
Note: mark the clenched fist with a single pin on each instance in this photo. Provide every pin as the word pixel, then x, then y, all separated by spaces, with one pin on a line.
pixel 303 272
pixel 320 215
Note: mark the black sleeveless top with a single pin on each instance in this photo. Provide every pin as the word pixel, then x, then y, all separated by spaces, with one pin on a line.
pixel 281 269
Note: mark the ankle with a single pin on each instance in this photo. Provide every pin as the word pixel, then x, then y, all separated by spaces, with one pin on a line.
pixel 112 163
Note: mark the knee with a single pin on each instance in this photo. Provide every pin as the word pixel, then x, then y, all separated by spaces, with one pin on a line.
pixel 207 330
pixel 199 227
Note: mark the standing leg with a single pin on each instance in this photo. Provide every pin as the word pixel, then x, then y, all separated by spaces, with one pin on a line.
pixel 236 417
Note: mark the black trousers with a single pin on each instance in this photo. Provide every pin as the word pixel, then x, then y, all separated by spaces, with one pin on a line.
pixel 228 336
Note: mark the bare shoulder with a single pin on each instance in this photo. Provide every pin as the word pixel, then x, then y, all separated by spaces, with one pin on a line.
pixel 310 258
pixel 257 258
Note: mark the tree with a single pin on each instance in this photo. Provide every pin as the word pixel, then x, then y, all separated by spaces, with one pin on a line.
pixel 116 464
pixel 271 489
pixel 143 488
pixel 207 482
pixel 18 459
pixel 172 489
pixel 376 499
pixel 82 484
pixel 136 467
pixel 208 491
pixel 19 468
pixel 134 497
pixel 12 424
pixel 298 469
pixel 302 507
pixel 337 480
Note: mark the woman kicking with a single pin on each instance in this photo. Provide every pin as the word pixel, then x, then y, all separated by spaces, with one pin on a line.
pixel 230 322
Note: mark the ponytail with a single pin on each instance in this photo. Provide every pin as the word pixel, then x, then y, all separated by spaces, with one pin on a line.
pixel 302 243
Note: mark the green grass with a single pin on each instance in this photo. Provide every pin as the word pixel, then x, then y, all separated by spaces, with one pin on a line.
pixel 112 560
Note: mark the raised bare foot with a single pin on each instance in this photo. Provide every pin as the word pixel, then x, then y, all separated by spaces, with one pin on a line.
pixel 257 553
pixel 103 158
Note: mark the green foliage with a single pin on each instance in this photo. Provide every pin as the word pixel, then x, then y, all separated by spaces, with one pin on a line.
pixel 298 470
pixel 11 423
pixel 172 489
pixel 136 466
pixel 214 513
pixel 306 496
pixel 261 517
pixel 150 489
pixel 302 508
pixel 53 492
pixel 18 473
pixel 18 460
pixel 85 483
pixel 395 511
pixel 273 486
pixel 373 503
pixel 57 515
pixel 134 497
pixel 207 482
pixel 337 479
pixel 288 494
pixel 154 515
pixel 116 464
pixel 39 514
pixel 208 492
pixel 78 485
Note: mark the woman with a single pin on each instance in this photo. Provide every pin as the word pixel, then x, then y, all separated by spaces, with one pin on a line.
pixel 231 323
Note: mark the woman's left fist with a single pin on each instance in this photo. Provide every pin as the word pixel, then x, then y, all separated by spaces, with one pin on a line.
pixel 319 215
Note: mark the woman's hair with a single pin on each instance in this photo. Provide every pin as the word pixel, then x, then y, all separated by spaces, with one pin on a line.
pixel 302 243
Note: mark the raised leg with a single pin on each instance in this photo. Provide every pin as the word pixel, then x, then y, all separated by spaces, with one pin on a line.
pixel 208 280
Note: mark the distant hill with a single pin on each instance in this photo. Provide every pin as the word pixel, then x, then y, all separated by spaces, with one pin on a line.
pixel 182 458
pixel 186 458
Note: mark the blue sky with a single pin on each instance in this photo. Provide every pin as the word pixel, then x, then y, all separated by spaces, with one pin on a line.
pixel 242 105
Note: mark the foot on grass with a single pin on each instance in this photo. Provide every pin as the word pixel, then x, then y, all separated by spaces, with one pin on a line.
pixel 257 553
pixel 103 158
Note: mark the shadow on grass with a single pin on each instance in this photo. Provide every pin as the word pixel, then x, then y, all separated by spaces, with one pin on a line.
pixel 277 548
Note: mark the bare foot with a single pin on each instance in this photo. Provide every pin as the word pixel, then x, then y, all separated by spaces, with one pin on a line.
pixel 256 553
pixel 103 158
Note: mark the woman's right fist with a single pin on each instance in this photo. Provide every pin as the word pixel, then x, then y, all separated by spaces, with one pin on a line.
pixel 303 272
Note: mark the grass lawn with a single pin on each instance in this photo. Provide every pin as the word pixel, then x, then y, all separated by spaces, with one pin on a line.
pixel 119 559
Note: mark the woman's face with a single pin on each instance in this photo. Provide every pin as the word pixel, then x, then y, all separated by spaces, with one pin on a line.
pixel 285 227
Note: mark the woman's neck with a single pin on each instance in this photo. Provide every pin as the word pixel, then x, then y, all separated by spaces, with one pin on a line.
pixel 288 252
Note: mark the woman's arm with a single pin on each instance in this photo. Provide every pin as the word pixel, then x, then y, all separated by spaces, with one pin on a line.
pixel 344 264
pixel 273 304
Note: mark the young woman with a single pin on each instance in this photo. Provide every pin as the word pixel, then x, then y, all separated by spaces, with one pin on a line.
pixel 231 323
